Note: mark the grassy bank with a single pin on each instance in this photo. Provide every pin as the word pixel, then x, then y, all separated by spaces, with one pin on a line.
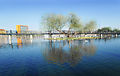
pixel 72 38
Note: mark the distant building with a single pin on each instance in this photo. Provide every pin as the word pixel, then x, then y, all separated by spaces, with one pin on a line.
pixel 21 29
pixel 2 31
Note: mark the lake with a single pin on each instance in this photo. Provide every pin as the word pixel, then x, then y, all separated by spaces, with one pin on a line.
pixel 39 57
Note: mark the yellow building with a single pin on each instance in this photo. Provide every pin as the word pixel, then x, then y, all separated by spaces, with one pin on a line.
pixel 2 31
pixel 21 28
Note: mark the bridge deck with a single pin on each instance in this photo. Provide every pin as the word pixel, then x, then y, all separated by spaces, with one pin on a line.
pixel 56 33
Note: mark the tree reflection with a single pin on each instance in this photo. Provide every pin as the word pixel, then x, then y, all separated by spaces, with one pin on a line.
pixel 15 41
pixel 3 41
pixel 70 52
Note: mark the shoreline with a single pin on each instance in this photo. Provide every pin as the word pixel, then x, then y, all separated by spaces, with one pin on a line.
pixel 72 38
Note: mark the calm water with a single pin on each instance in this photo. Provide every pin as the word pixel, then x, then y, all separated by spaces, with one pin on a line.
pixel 38 57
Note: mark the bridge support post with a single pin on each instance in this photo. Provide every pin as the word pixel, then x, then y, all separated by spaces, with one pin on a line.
pixel 31 37
pixel 10 39
pixel 101 35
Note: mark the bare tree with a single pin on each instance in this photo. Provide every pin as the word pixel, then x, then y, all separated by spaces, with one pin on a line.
pixel 74 23
pixel 54 22
pixel 89 27
pixel 57 22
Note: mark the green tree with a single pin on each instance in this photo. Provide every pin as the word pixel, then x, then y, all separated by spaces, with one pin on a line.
pixel 74 23
pixel 57 22
pixel 54 22
pixel 106 29
pixel 116 30
pixel 89 27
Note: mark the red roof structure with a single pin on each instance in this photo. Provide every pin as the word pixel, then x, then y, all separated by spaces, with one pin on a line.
pixel 2 30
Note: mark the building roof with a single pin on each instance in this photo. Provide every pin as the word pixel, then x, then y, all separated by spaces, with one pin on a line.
pixel 23 25
pixel 2 30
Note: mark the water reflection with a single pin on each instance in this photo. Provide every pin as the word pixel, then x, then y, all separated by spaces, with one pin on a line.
pixel 70 52
pixel 58 58
pixel 19 42
pixel 3 40
pixel 15 41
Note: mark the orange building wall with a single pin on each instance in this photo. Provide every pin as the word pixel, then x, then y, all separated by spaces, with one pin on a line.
pixel 18 28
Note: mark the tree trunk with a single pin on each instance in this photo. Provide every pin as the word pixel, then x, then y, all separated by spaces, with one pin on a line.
pixel 75 33
pixel 50 34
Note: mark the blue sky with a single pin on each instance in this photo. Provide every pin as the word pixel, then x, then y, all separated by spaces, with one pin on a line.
pixel 29 12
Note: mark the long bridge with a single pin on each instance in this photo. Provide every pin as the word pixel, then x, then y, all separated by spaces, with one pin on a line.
pixel 104 33
pixel 11 35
